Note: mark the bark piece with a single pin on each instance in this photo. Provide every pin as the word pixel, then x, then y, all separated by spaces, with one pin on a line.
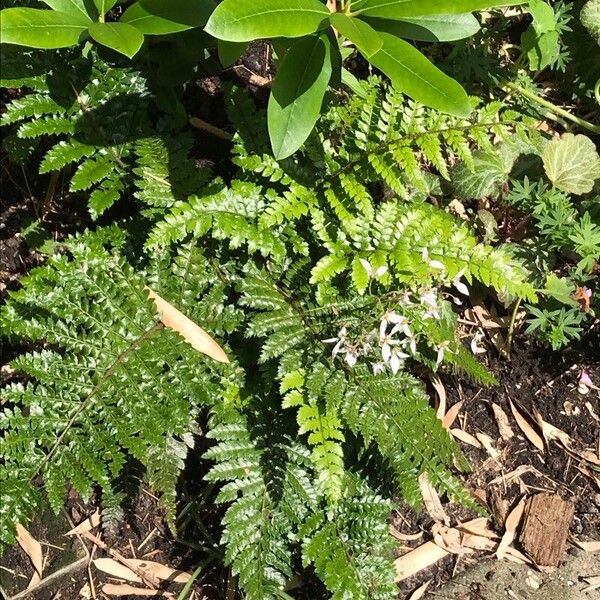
pixel 546 522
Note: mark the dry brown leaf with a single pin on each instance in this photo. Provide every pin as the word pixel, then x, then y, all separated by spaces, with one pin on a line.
pixel 432 500
pixel 110 589
pixel 478 527
pixel 526 428
pixel 593 583
pixel 552 433
pixel 510 528
pixel 87 525
pixel 593 546
pixel 33 549
pixel 502 421
pixel 451 415
pixel 487 443
pixel 516 556
pixel 160 571
pixel 192 333
pixel 438 386
pixel 405 537
pixel 465 437
pixel 116 569
pixel 478 542
pixel 449 539
pixel 418 559
pixel 420 591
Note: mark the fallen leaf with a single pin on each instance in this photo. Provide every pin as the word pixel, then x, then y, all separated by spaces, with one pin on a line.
pixel 87 525
pixel 593 546
pixel 526 428
pixel 487 443
pixel 465 437
pixel 449 539
pixel 478 542
pixel 510 528
pixel 405 537
pixel 451 415
pixel 160 571
pixel 192 333
pixel 33 549
pixel 418 559
pixel 478 527
pixel 420 591
pixel 516 556
pixel 504 427
pixel 432 500
pixel 552 433
pixel 438 386
pixel 110 589
pixel 115 569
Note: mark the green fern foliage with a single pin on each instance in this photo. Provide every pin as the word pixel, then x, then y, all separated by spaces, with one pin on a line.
pixel 114 385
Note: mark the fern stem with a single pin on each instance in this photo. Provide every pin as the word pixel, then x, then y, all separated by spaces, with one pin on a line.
pixel 553 108
pixel 216 131
pixel 87 401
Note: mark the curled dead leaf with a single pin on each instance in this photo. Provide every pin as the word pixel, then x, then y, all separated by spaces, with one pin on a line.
pixel 504 428
pixel 33 549
pixel 192 333
pixel 110 589
pixel 418 559
pixel 405 537
pixel 431 499
pixel 451 415
pixel 591 546
pixel 487 443
pixel 87 525
pixel 465 437
pixel 115 569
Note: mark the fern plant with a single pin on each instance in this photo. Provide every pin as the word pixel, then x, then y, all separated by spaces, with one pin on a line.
pixel 328 277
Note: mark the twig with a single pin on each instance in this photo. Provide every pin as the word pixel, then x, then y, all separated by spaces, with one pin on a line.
pixel 204 126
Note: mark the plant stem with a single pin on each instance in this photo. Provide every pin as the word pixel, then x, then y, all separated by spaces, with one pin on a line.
pixel 553 108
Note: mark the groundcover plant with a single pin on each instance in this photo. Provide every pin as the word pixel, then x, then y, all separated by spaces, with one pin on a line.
pixel 267 295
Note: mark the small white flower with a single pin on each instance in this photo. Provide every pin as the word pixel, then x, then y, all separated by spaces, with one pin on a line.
pixel 378 368
pixel 373 274
pixel 351 355
pixel 411 342
pixel 397 360
pixel 386 347
pixel 389 317
pixel 428 298
pixel 339 341
pixel 441 348
pixel 401 324
pixel 459 285
pixel 369 342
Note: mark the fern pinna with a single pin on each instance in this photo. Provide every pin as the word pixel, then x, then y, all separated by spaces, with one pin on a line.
pixel 328 277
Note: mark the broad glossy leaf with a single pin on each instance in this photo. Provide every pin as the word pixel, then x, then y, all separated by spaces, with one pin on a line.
pixel 160 17
pixel 431 28
pixel 413 74
pixel 70 7
pixel 298 92
pixel 121 37
pixel 572 163
pixel 365 38
pixel 247 20
pixel 104 6
pixel 399 9
pixel 39 28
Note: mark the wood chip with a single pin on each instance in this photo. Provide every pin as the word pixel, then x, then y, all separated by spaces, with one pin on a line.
pixel 510 528
pixel 451 415
pixel 33 549
pixel 418 559
pixel 110 589
pixel 420 591
pixel 506 432
pixel 87 525
pixel 194 335
pixel 546 522
pixel 432 501
pixel 526 428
